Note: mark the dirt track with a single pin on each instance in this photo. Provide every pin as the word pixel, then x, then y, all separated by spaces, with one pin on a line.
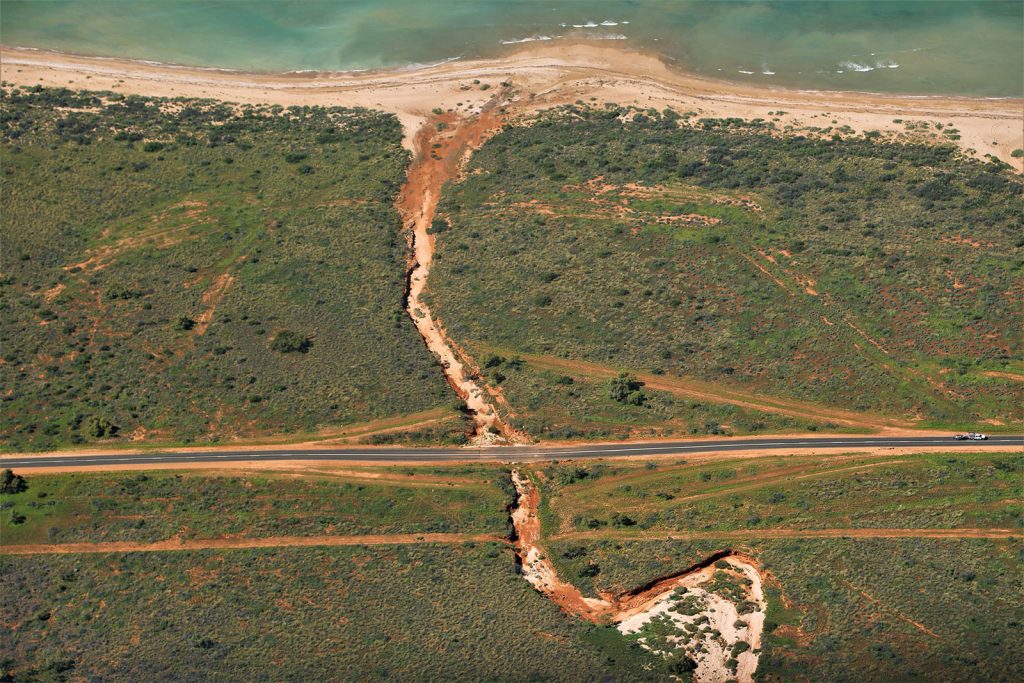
pixel 706 391
pixel 569 598
pixel 239 543
pixel 758 534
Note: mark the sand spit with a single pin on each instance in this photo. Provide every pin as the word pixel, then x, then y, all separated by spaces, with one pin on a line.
pixel 543 76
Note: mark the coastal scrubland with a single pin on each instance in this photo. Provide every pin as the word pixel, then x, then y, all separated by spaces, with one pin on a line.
pixel 181 271
pixel 458 608
pixel 399 613
pixel 922 490
pixel 838 269
pixel 859 601
pixel 186 271
pixel 897 609
pixel 452 609
pixel 146 507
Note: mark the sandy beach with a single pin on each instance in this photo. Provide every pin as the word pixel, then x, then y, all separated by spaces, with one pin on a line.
pixel 542 76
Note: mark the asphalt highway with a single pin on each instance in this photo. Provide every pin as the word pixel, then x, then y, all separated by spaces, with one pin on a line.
pixel 506 453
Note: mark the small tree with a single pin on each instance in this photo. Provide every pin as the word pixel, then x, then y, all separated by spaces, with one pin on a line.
pixel 493 361
pixel 184 323
pixel 98 427
pixel 626 389
pixel 680 664
pixel 287 341
pixel 12 483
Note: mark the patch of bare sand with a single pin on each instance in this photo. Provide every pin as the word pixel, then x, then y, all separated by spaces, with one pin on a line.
pixel 211 297
pixel 709 635
pixel 55 291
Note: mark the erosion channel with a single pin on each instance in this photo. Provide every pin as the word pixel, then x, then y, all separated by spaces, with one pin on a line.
pixel 709 616
pixel 442 146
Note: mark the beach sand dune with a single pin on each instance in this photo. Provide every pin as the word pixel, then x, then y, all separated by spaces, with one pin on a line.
pixel 544 76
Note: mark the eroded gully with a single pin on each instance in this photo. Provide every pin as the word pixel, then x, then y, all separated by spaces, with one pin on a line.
pixel 443 145
pixel 630 610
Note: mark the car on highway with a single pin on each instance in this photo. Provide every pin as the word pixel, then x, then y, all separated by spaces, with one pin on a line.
pixel 971 436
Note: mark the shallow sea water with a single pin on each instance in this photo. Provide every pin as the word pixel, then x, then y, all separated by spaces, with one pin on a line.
pixel 915 47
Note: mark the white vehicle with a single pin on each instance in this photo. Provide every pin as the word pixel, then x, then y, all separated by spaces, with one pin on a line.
pixel 971 436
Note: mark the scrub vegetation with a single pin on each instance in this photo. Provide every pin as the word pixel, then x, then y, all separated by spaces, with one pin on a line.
pixel 552 404
pixel 801 492
pixel 181 271
pixel 422 613
pixel 890 609
pixel 155 506
pixel 459 610
pixel 854 273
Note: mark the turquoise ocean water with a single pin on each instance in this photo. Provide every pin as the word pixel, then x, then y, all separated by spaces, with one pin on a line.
pixel 915 47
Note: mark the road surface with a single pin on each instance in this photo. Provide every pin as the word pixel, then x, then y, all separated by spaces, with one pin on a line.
pixel 505 454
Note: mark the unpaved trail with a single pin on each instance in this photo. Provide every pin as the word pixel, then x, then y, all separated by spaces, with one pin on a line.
pixel 754 534
pixel 1005 375
pixel 706 636
pixel 442 145
pixel 239 543
pixel 715 393
pixel 903 617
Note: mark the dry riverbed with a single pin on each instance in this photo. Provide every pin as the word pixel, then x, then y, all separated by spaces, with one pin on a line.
pixel 708 618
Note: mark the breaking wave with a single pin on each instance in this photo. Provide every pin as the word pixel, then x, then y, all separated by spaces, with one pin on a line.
pixel 531 39
pixel 861 67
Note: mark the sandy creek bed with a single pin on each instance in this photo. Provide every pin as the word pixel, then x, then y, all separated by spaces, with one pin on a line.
pixel 711 613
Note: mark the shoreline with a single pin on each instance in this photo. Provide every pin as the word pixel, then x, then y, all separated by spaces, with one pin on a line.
pixel 512 50
pixel 544 76
pixel 515 53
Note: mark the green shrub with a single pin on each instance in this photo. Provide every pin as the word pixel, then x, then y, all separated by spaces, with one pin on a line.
pixel 626 389
pixel 11 482
pixel 98 427
pixel 287 341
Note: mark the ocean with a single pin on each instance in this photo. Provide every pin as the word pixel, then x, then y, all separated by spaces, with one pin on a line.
pixel 925 47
